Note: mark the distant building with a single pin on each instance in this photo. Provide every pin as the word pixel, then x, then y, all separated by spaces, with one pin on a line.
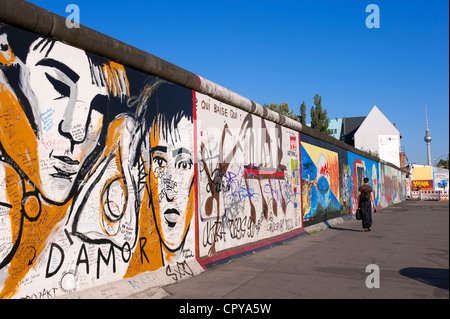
pixel 349 127
pixel 335 126
pixel 374 133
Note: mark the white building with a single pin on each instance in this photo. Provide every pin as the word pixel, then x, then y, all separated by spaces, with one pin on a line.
pixel 377 134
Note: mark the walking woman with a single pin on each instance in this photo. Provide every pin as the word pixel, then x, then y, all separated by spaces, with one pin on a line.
pixel 366 200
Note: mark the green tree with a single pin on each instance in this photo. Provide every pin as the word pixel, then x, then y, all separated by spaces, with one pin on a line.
pixel 443 163
pixel 285 110
pixel 302 117
pixel 282 108
pixel 319 118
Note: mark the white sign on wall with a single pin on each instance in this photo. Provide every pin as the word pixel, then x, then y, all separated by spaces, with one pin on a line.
pixel 389 148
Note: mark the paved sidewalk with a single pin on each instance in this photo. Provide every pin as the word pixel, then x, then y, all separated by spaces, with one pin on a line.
pixel 409 243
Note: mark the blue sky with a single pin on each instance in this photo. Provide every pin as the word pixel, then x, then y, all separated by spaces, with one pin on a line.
pixel 288 51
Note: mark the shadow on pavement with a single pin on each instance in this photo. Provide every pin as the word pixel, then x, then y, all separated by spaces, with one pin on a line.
pixel 437 277
pixel 348 229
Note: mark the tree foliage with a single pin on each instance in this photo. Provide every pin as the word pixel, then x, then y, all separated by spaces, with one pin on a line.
pixel 319 118
pixel 302 117
pixel 443 163
pixel 282 108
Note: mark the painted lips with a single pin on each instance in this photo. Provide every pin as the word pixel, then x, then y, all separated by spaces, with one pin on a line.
pixel 64 174
pixel 171 216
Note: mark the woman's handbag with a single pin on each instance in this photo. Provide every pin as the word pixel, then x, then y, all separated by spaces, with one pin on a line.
pixel 358 214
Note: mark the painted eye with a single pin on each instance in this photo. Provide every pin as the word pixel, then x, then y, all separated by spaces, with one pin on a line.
pixel 59 86
pixel 185 165
pixel 160 161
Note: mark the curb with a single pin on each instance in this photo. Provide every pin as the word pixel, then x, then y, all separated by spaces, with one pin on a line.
pixel 328 224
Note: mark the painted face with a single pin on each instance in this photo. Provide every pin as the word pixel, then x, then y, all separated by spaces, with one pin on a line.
pixel 171 177
pixel 65 103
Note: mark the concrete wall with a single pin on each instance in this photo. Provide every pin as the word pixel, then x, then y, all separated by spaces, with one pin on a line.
pixel 332 172
pixel 112 168
pixel 248 178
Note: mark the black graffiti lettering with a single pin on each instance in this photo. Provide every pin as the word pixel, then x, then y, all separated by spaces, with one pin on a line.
pixel 204 105
pixel 55 263
pixel 142 242
pixel 106 260
pixel 289 224
pixel 213 232
pixel 44 294
pixel 218 184
pixel 49 261
pixel 251 228
pixel 179 271
pixel 85 259
pixel 237 227
pixel 126 249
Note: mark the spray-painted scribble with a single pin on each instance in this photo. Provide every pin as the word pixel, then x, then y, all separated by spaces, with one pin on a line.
pixel 248 177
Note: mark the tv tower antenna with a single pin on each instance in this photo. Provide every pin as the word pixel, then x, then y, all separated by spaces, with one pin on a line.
pixel 427 137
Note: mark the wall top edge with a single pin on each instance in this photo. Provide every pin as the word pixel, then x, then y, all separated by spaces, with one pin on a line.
pixel 20 13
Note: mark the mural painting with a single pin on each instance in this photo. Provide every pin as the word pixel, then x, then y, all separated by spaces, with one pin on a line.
pixel 361 167
pixel 392 185
pixel 248 177
pixel 96 169
pixel 345 198
pixel 320 182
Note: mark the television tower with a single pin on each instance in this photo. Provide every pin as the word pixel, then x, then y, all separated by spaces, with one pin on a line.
pixel 427 137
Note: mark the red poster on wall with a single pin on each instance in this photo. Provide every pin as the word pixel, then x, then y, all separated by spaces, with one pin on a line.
pixel 422 185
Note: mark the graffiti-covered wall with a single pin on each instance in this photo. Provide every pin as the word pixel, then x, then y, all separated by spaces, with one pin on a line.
pixel 109 172
pixel 331 177
pixel 325 180
pixel 361 167
pixel 392 185
pixel 248 177
pixel 96 168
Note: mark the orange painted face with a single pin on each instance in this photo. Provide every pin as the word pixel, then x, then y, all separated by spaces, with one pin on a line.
pixel 171 179
pixel 66 108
